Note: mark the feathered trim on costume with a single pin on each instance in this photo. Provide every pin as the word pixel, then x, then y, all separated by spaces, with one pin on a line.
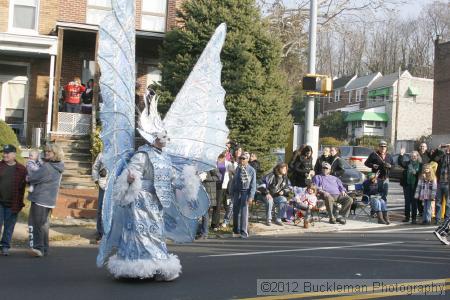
pixel 164 269
pixel 126 193
pixel 191 182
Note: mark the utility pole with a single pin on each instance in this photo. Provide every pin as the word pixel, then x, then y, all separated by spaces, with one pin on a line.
pixel 309 109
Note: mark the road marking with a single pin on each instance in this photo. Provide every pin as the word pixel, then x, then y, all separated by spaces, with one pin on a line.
pixel 417 230
pixel 372 294
pixel 300 250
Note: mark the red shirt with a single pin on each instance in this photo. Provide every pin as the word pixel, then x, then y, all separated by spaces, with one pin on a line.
pixel 73 92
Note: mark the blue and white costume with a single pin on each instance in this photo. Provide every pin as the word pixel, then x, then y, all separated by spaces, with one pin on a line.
pixel 142 251
pixel 154 193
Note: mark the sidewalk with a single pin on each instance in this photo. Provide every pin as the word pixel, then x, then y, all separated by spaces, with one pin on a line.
pixel 77 232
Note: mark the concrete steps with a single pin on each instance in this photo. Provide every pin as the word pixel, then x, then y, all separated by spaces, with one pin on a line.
pixel 77 162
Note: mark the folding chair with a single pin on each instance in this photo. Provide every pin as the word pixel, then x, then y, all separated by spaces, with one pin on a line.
pixel 361 208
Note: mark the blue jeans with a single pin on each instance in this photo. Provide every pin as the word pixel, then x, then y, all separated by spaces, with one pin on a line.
pixel 228 212
pixel 73 108
pixel 268 202
pixel 426 217
pixel 7 221
pixel 442 191
pixel 280 204
pixel 203 228
pixel 101 193
pixel 377 203
pixel 240 213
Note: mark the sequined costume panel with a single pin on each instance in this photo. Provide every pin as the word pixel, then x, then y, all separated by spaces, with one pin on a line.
pixel 142 250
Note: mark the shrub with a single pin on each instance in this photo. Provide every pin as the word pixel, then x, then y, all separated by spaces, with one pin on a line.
pixel 331 141
pixel 7 136
pixel 96 142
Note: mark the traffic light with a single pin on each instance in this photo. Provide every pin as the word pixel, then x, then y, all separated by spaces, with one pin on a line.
pixel 315 84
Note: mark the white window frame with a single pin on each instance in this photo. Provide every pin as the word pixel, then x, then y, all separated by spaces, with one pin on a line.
pixel 155 14
pixel 5 80
pixel 337 95
pixel 350 96
pixel 96 7
pixel 13 29
pixel 358 95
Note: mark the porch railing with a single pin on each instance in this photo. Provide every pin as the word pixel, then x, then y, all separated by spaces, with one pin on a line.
pixel 75 124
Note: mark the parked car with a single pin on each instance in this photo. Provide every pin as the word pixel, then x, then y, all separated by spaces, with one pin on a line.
pixel 356 156
pixel 397 170
pixel 352 179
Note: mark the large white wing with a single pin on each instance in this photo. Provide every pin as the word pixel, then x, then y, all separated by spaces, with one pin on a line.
pixel 195 122
pixel 116 57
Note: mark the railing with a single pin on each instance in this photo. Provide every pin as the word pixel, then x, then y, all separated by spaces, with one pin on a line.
pixel 372 102
pixel 76 124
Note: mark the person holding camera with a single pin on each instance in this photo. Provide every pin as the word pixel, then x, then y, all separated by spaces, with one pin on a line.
pixel 99 174
pixel 277 188
pixel 381 162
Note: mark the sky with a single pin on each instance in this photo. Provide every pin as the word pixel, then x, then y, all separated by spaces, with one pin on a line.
pixel 410 8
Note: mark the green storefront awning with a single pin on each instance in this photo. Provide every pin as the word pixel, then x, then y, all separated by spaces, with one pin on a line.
pixel 366 116
pixel 413 91
pixel 380 92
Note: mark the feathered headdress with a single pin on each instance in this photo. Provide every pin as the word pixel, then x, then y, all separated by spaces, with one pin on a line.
pixel 150 123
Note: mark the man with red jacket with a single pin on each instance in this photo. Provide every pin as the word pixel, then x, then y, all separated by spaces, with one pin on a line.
pixel 72 95
pixel 12 189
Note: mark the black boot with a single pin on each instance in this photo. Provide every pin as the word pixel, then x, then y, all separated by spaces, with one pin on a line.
pixel 386 217
pixel 380 218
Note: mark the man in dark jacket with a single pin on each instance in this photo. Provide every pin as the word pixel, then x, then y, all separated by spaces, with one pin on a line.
pixel 381 162
pixel 12 189
pixel 209 181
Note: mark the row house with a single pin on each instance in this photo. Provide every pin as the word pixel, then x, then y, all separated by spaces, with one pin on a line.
pixel 375 108
pixel 441 102
pixel 44 44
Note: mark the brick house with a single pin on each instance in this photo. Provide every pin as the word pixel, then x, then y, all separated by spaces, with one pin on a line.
pixel 336 99
pixel 441 102
pixel 45 43
pixel 348 92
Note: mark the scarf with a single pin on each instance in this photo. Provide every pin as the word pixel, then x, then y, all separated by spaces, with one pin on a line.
pixel 411 175
pixel 244 176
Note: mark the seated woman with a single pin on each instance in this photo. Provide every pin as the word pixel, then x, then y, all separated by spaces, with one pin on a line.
pixel 277 187
pixel 374 190
pixel 305 200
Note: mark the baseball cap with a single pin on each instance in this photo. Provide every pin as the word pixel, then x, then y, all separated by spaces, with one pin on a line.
pixel 245 155
pixel 382 143
pixel 8 148
pixel 326 165
pixel 370 175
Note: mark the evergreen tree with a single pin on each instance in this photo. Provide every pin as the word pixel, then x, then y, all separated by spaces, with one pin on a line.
pixel 257 96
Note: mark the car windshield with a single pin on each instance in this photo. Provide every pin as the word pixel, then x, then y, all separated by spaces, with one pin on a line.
pixel 346 151
pixel 346 165
pixel 362 151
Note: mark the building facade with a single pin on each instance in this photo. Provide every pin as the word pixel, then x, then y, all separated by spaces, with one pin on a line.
pixel 396 107
pixel 441 104
pixel 44 44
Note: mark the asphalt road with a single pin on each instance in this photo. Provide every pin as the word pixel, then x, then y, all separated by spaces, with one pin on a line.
pixel 229 268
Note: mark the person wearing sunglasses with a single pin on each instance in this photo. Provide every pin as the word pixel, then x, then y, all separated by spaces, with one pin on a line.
pixel 381 162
